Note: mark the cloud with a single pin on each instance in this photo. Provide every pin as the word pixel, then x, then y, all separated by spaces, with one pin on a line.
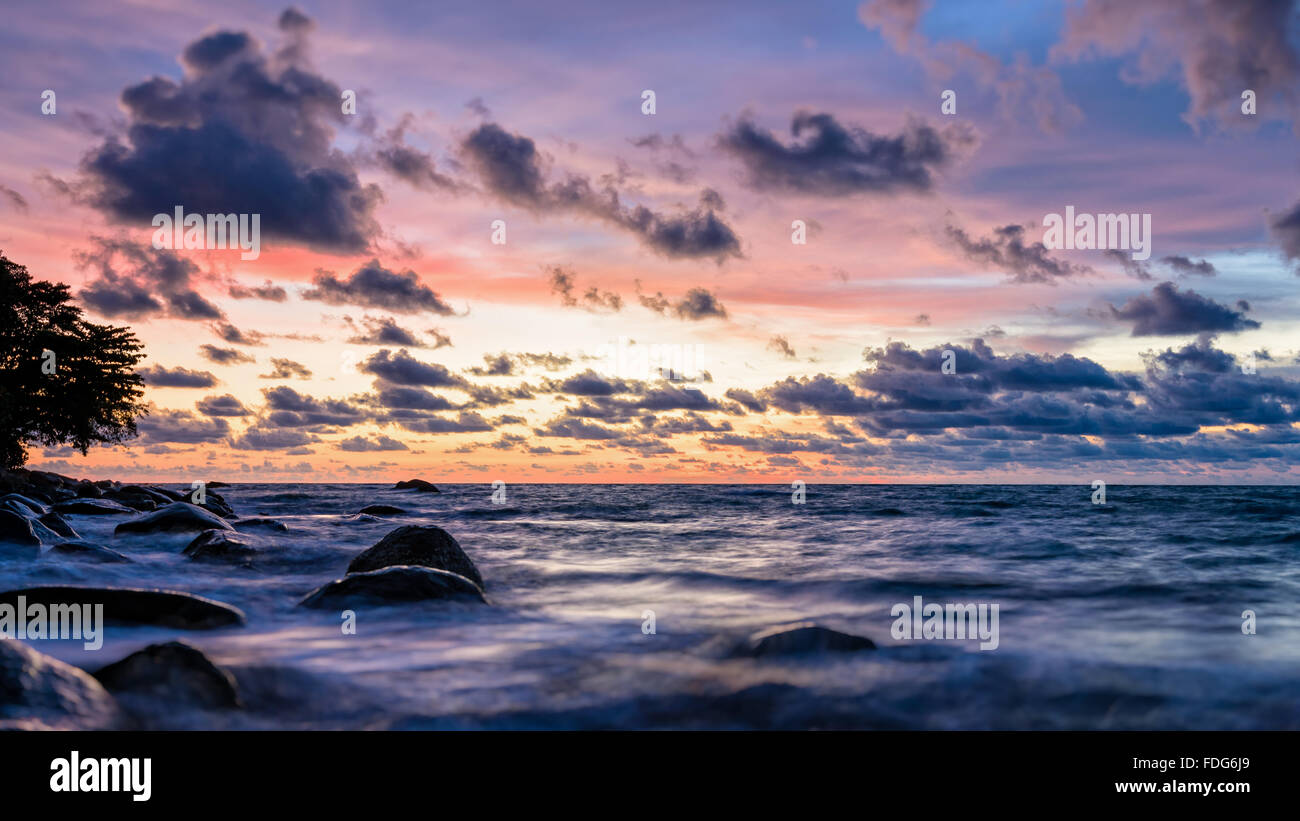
pixel 512 170
pixel 224 356
pixel 1007 252
pixel 384 331
pixel 1215 48
pixel 830 159
pixel 1132 267
pixel 1168 311
pixel 235 336
pixel 1185 267
pixel 16 200
pixel 267 291
pixel 179 427
pixel 410 164
pixel 695 304
pixel 286 369
pixel 226 405
pixel 781 345
pixel 157 376
pixel 138 282
pixel 262 438
pixel 360 444
pixel 593 299
pixel 290 409
pixel 374 286
pixel 267 121
pixel 1021 88
pixel 403 369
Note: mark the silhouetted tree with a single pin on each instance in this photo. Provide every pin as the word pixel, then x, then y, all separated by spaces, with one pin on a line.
pixel 63 380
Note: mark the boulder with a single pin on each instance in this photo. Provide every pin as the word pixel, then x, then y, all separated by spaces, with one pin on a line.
pixel 261 523
pixel 393 584
pixel 157 495
pixel 126 605
pixel 422 545
pixel 59 525
pixel 801 638
pixel 37 508
pixel 175 517
pixel 15 529
pixel 41 693
pixel 417 485
pixel 88 551
pixel 383 510
pixel 92 507
pixel 172 671
pixel 220 545
pixel 89 490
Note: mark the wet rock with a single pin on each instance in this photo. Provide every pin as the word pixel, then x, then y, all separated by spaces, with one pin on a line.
pixel 175 517
pixel 36 508
pixel 417 485
pixel 92 507
pixel 41 693
pixel 157 495
pixel 383 510
pixel 89 490
pixel 17 530
pixel 801 638
pixel 59 525
pixel 88 551
pixel 173 671
pixel 393 584
pixel 135 501
pixel 220 545
pixel 262 523
pixel 425 546
pixel 126 605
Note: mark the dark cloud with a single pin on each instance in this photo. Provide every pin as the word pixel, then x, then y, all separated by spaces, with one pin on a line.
pixel 1168 311
pixel 746 398
pixel 267 291
pixel 1183 266
pixel 289 409
pixel 138 282
pixel 157 376
pixel 272 438
pixel 266 121
pixel 179 427
pixel 499 365
pixel 511 169
pixel 403 369
pixel 286 369
pixel 224 356
pixel 226 405
pixel 16 200
pixel 1134 268
pixel 696 304
pixel 409 164
pixel 781 345
pixel 360 444
pixel 375 286
pixel 235 336
pixel 384 331
pixel 1007 252
pixel 828 158
pixel 593 299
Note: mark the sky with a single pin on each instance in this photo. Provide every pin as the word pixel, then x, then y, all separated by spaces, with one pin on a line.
pixel 673 242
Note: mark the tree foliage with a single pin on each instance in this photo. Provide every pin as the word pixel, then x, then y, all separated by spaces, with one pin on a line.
pixel 63 380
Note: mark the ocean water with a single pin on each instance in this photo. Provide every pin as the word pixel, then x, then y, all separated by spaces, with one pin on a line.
pixel 1123 616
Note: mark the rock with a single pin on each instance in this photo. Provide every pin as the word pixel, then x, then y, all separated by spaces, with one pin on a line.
pixel 155 494
pixel 41 693
pixel 218 484
pixel 220 545
pixel 383 510
pixel 126 605
pixel 177 516
pixel 797 639
pixel 88 551
pixel 34 506
pixel 89 490
pixel 15 529
pixel 60 526
pixel 425 546
pixel 136 501
pixel 173 671
pixel 418 485
pixel 393 584
pixel 262 523
pixel 92 507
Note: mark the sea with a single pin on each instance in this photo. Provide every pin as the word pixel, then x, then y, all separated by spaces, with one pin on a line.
pixel 623 607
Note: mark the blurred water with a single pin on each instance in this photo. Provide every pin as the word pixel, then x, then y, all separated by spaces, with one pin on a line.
pixel 1126 615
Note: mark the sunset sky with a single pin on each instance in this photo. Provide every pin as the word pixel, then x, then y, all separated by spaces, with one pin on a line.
pixel 381 334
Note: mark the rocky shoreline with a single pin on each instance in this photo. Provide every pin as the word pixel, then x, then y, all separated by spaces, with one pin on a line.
pixel 411 564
